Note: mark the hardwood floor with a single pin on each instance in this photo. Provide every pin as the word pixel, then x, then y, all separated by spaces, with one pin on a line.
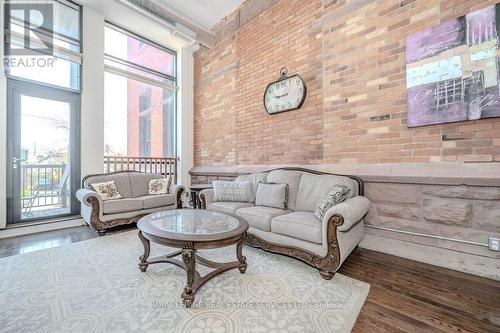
pixel 49 239
pixel 408 296
pixel 405 295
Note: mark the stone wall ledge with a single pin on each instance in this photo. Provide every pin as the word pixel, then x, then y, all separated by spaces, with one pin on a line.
pixel 474 174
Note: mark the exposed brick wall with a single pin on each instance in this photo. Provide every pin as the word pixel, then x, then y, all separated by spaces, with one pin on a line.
pixel 214 104
pixel 352 56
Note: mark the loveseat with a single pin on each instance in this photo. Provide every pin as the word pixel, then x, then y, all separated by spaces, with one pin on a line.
pixel 135 203
pixel 296 231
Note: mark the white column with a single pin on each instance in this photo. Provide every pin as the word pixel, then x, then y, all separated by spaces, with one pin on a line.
pixel 3 130
pixel 185 114
pixel 92 108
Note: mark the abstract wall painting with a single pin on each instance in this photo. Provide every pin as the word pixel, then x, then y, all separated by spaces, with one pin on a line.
pixel 453 70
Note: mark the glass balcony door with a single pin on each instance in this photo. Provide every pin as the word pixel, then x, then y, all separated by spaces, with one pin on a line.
pixel 43 152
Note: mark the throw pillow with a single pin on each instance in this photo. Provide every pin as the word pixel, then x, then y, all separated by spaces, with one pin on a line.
pixel 159 186
pixel 232 191
pixel 106 190
pixel 336 195
pixel 272 195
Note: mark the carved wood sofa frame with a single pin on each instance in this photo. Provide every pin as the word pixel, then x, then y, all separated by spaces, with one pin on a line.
pixel 101 227
pixel 326 265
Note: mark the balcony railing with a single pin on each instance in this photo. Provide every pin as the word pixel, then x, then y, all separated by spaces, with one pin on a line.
pixel 43 185
pixel 162 165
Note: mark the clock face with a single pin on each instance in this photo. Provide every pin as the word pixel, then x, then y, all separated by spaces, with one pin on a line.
pixel 285 95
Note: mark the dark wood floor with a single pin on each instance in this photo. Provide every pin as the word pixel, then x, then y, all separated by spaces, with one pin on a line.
pixel 408 296
pixel 405 296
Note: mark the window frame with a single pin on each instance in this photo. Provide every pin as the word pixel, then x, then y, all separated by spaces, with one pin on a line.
pixel 137 77
pixel 62 51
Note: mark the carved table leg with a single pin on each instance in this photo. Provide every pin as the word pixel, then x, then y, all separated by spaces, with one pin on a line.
pixel 188 257
pixel 143 265
pixel 241 258
pixel 193 199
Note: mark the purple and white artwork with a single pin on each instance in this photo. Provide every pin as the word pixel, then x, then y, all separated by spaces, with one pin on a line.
pixel 453 70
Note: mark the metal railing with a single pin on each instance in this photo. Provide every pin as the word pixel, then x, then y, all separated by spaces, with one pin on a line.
pixel 162 165
pixel 43 185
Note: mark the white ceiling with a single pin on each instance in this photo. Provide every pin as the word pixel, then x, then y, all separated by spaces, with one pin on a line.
pixel 204 13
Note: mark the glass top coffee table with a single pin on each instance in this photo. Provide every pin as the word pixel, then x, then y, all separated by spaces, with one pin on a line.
pixel 190 230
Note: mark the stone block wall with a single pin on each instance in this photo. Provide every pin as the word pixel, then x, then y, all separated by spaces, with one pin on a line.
pixel 463 212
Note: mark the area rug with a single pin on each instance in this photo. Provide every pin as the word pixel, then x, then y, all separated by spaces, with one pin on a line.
pixel 95 286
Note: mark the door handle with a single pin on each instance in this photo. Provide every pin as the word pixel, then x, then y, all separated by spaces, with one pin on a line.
pixel 15 160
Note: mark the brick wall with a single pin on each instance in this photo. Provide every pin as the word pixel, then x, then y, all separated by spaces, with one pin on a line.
pixel 352 56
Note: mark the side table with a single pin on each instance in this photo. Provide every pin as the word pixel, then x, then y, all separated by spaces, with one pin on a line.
pixel 195 193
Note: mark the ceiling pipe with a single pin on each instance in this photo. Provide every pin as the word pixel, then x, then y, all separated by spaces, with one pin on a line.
pixel 176 29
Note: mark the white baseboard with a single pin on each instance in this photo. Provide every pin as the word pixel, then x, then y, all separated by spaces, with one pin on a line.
pixel 459 261
pixel 33 229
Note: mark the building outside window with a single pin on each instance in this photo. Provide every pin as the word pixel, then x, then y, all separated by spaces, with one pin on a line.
pixel 145 135
pixel 145 99
pixel 142 123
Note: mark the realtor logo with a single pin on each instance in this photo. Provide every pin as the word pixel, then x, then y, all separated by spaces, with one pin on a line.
pixel 31 28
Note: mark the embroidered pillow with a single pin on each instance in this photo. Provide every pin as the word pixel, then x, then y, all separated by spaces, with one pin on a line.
pixel 272 195
pixel 336 195
pixel 106 190
pixel 159 186
pixel 232 191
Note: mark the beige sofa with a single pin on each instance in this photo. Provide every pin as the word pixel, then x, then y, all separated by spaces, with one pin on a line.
pixel 296 232
pixel 133 187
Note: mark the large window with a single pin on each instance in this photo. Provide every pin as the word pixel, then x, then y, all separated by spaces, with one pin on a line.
pixel 43 64
pixel 140 92
pixel 43 42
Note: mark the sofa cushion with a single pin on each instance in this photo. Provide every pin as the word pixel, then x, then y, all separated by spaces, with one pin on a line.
pixel 227 207
pixel 121 205
pixel 336 195
pixel 292 178
pixel 158 200
pixel 122 183
pixel 159 186
pixel 300 225
pixel 106 190
pixel 259 217
pixel 314 188
pixel 139 182
pixel 232 191
pixel 272 195
pixel 254 180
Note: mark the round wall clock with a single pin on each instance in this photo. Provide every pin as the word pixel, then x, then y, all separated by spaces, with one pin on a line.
pixel 285 94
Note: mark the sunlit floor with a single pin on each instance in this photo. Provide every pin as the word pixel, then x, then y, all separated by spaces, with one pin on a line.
pixel 49 239
pixel 44 212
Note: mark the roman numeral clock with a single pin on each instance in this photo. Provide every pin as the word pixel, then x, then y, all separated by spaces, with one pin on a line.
pixel 285 94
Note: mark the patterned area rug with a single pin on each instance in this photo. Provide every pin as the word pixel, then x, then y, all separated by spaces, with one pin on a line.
pixel 95 286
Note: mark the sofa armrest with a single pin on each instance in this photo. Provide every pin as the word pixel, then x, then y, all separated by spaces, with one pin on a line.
pixel 177 190
pixel 83 195
pixel 206 197
pixel 352 211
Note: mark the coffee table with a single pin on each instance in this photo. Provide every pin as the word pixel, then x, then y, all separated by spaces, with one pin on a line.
pixel 191 230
